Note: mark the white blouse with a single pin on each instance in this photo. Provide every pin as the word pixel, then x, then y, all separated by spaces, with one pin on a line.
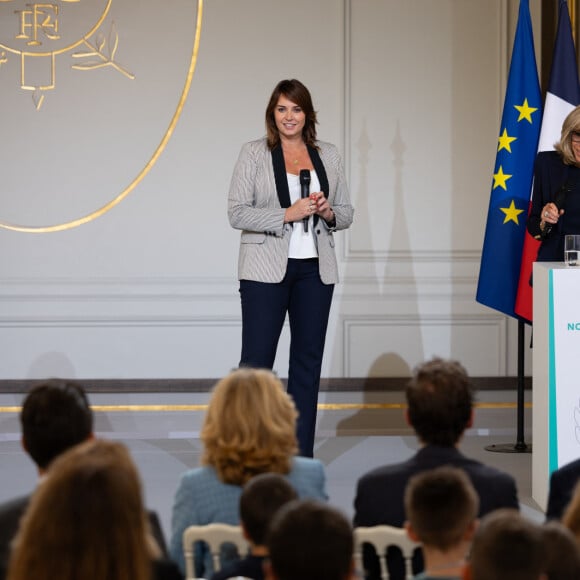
pixel 302 244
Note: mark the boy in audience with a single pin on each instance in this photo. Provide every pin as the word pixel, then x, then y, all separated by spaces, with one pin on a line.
pixel 310 540
pixel 441 507
pixel 506 546
pixel 261 498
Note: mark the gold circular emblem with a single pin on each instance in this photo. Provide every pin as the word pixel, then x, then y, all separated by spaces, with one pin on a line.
pixel 154 157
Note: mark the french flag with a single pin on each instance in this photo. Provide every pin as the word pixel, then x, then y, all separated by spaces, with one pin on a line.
pixel 562 97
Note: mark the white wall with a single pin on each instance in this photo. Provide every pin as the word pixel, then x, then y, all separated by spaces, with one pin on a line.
pixel 410 90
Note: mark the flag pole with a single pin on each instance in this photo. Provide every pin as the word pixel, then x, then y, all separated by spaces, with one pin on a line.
pixel 520 445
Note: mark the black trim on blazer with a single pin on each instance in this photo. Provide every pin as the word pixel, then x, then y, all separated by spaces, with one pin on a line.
pixel 282 181
pixel 320 171
pixel 280 176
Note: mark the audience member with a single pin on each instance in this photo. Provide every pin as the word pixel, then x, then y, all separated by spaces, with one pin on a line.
pixel 441 507
pixel 440 409
pixel 87 521
pixel 55 416
pixel 571 515
pixel 506 546
pixel 562 484
pixel 249 428
pixel 261 498
pixel 561 551
pixel 309 540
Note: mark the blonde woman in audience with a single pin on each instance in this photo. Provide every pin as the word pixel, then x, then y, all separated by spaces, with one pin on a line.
pixel 249 428
pixel 86 521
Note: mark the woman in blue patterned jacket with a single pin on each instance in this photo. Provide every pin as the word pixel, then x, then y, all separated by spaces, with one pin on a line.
pixel 249 429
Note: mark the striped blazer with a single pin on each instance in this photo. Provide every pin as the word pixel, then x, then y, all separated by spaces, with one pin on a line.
pixel 254 207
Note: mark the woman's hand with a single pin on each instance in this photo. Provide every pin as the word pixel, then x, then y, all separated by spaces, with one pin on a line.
pixel 300 209
pixel 551 213
pixel 323 208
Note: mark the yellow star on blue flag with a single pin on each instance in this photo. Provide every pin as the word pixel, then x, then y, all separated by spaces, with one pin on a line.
pixel 500 178
pixel 525 111
pixel 505 141
pixel 511 213
pixel 519 133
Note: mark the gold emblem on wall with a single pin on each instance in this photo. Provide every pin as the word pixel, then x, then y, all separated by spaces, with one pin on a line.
pixel 64 54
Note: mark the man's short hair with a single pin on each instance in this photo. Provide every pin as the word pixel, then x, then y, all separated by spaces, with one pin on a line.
pixel 561 552
pixel 55 416
pixel 261 498
pixel 506 545
pixel 440 505
pixel 310 540
pixel 440 400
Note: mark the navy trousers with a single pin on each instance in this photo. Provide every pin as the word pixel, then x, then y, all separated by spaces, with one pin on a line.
pixel 307 301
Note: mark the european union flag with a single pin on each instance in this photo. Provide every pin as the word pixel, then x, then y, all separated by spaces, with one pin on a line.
pixel 562 97
pixel 512 178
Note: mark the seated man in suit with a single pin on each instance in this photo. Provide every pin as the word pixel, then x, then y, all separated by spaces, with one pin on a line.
pixel 441 507
pixel 562 484
pixel 440 409
pixel 55 417
pixel 309 540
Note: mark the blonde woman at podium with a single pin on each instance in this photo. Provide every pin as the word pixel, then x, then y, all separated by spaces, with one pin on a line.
pixel 556 195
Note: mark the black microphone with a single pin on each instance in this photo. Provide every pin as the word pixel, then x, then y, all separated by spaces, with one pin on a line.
pixel 305 191
pixel 560 202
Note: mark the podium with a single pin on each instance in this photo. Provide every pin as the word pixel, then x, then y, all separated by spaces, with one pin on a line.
pixel 556 377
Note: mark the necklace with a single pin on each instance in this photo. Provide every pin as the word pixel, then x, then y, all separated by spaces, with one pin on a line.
pixel 293 159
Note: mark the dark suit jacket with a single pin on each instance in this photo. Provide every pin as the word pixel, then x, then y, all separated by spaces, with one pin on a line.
pixel 562 484
pixel 550 175
pixel 380 493
pixel 11 512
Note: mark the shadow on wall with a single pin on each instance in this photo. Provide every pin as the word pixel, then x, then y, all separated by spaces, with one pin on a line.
pixel 51 364
pixel 389 364
pixel 372 421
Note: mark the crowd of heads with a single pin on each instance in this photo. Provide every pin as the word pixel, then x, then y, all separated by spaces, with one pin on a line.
pixel 249 438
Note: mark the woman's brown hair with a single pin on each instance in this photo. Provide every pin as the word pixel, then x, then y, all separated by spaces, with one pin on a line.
pixel 296 92
pixel 86 520
pixel 250 426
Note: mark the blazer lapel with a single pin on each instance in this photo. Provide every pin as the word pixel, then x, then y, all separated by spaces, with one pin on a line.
pixel 280 176
pixel 320 171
